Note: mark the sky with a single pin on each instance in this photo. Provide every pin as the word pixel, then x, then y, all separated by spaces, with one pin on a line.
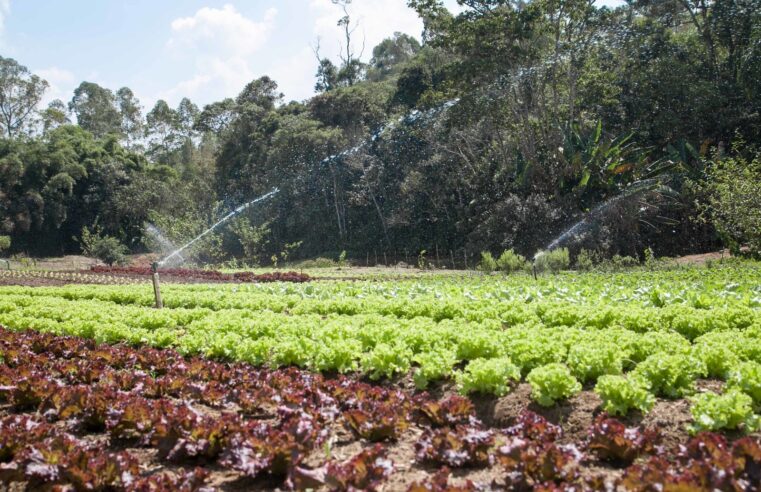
pixel 202 49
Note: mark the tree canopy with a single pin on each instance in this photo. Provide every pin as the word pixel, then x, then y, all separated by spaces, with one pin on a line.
pixel 507 124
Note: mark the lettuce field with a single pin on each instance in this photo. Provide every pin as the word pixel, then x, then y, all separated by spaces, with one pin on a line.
pixel 644 380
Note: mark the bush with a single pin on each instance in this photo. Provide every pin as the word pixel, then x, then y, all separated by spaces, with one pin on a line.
pixel 253 239
pixel 487 263
pixel 553 261
pixel 733 187
pixel 5 243
pixel 619 262
pixel 509 261
pixel 586 260
pixel 107 249
pixel 551 383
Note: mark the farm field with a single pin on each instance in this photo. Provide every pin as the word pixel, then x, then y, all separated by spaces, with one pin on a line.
pixel 635 380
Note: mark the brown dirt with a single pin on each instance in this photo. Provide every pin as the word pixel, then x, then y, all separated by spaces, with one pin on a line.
pixel 702 258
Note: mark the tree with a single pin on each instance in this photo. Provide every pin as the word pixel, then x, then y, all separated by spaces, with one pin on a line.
pixel 131 113
pixel 187 114
pixel 96 110
pixel 391 53
pixel 162 130
pixel 55 115
pixel 327 75
pixel 20 93
pixel 216 117
pixel 351 69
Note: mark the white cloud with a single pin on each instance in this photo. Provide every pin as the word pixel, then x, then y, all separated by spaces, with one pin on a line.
pixel 295 75
pixel 376 19
pixel 62 84
pixel 221 43
pixel 225 29
pixel 5 10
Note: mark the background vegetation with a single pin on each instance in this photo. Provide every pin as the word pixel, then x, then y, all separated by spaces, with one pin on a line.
pixel 513 120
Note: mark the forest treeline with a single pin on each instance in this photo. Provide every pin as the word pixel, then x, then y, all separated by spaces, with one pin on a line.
pixel 508 123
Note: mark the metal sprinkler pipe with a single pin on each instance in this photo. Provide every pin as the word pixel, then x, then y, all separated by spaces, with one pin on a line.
pixel 156 287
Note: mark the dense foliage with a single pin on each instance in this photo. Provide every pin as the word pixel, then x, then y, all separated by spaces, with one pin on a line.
pixel 509 122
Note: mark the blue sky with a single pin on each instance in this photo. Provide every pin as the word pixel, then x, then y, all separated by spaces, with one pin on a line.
pixel 203 49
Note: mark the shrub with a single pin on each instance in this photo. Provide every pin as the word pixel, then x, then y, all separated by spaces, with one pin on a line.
pixel 107 249
pixel 487 263
pixel 253 239
pixel 551 383
pixel 553 261
pixel 5 243
pixel 620 394
pixel 619 262
pixel 731 410
pixel 586 260
pixel 509 261
pixel 733 187
pixel 488 376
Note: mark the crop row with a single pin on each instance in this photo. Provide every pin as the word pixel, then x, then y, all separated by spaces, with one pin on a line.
pixel 66 277
pixel 209 275
pixel 628 368
pixel 277 424
pixel 324 300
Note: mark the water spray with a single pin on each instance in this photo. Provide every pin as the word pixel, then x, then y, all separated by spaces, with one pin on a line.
pixel 176 253
pixel 217 224
pixel 577 229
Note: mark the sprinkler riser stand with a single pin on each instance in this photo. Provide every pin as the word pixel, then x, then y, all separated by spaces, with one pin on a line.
pixel 156 286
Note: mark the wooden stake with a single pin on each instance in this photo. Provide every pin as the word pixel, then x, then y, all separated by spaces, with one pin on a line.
pixel 156 287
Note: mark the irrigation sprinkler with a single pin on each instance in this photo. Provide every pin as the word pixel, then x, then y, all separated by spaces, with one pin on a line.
pixel 156 287
pixel 176 253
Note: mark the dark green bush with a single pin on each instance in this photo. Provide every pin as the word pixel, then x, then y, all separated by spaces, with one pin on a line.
pixel 107 249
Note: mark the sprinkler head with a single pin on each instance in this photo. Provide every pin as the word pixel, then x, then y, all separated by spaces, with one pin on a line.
pixel 155 266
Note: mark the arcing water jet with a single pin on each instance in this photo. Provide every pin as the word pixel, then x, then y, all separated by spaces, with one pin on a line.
pixel 221 221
